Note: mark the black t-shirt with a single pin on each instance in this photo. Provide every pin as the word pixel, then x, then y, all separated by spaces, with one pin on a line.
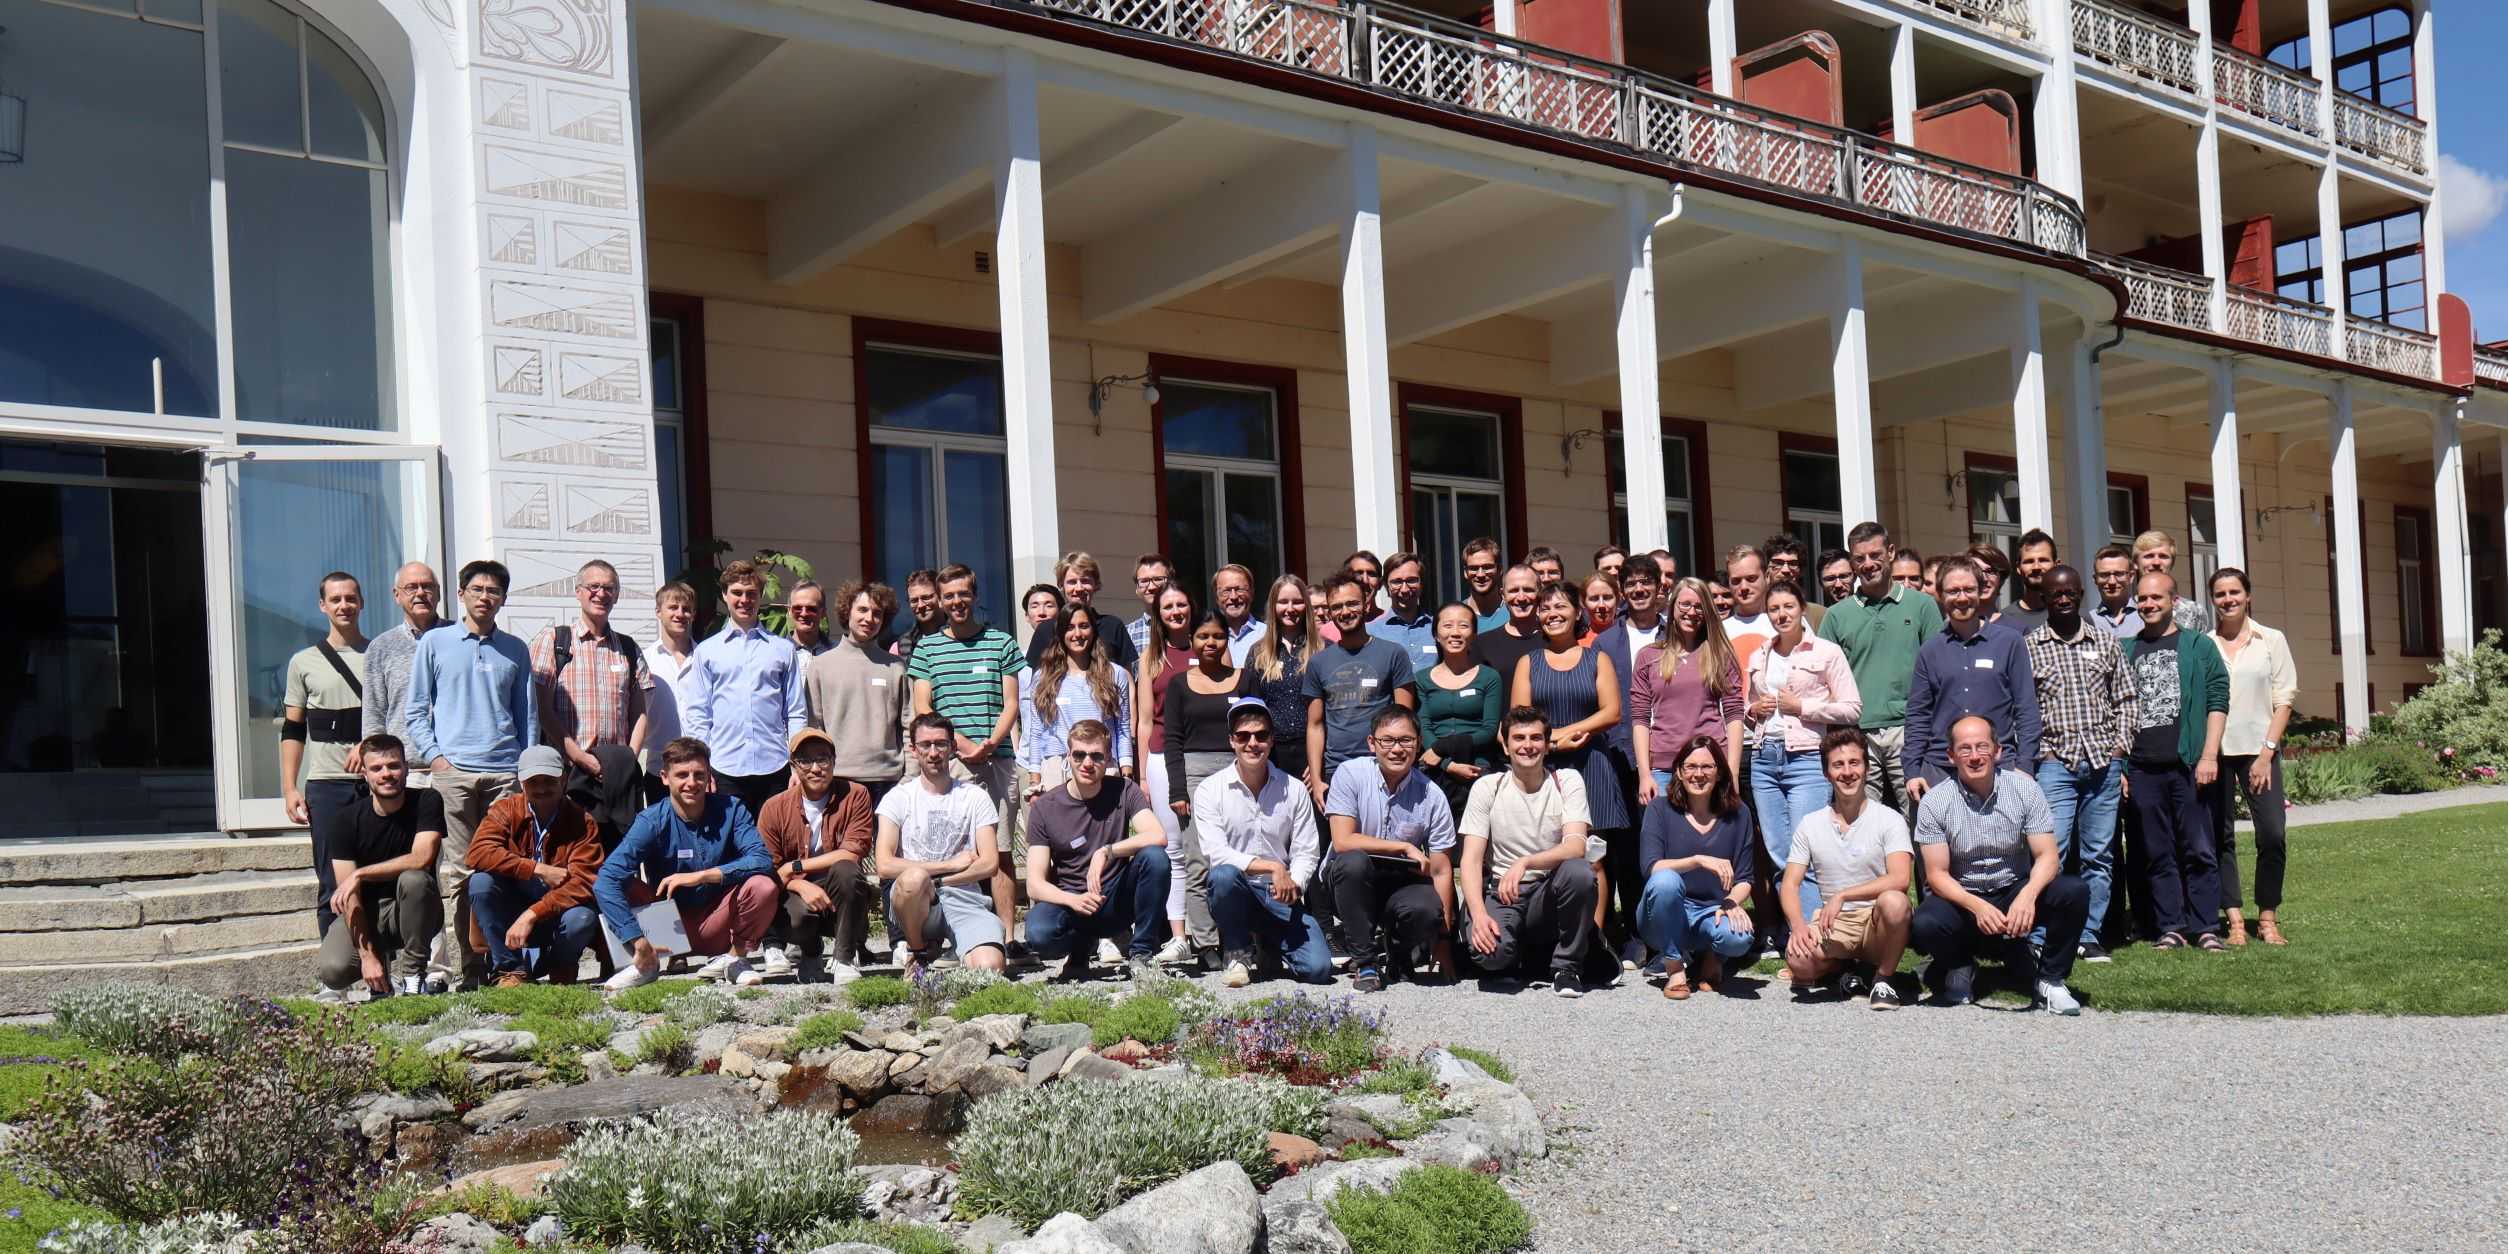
pixel 2154 667
pixel 361 837
pixel 1502 651
pixel 1073 830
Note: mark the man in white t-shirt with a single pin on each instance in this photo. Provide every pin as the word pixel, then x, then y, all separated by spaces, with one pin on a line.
pixel 1746 573
pixel 936 847
pixel 1860 856
pixel 1528 825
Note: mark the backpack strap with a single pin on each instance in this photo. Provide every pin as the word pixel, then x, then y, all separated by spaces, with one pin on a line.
pixel 340 664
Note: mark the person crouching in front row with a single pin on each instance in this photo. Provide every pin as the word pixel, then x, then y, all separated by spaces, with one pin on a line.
pixel 532 862
pixel 699 850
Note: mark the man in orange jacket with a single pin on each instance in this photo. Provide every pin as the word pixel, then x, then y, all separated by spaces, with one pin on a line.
pixel 819 832
pixel 532 862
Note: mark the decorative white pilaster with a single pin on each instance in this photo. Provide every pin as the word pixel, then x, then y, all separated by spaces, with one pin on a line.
pixel 1641 403
pixel 2351 623
pixel 2329 199
pixel 2425 106
pixel 2056 112
pixel 2029 420
pixel 1903 83
pixel 2229 498
pixel 2076 379
pixel 1502 12
pixel 1373 482
pixel 1026 344
pixel 1723 45
pixel 1850 376
pixel 2455 559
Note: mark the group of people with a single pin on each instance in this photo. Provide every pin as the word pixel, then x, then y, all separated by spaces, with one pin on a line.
pixel 1546 781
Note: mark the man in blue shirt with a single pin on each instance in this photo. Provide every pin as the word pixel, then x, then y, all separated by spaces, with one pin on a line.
pixel 742 695
pixel 1350 680
pixel 1969 669
pixel 470 716
pixel 1405 621
pixel 1392 851
pixel 701 851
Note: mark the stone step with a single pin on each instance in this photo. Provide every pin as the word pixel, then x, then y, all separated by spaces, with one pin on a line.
pixel 154 942
pixel 121 861
pixel 264 971
pixel 74 907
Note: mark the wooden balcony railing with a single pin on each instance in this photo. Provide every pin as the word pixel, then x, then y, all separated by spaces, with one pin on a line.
pixel 2265 91
pixel 2396 350
pixel 2381 134
pixel 2159 294
pixel 2008 18
pixel 2280 322
pixel 2132 42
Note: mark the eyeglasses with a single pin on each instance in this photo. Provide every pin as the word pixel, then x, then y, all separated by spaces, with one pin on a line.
pixel 1249 737
pixel 1397 742
pixel 598 588
pixel 810 611
pixel 1699 768
pixel 1089 755
pixel 415 588
pixel 484 590
pixel 815 764
pixel 932 746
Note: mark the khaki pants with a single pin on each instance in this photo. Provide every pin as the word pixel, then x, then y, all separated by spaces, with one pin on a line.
pixel 1883 780
pixel 467 796
pixel 400 928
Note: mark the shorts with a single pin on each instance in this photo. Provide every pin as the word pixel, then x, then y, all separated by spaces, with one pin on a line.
pixel 1850 935
pixel 966 917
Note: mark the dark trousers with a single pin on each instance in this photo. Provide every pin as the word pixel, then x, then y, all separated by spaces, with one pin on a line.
pixel 847 919
pixel 2180 875
pixel 1949 935
pixel 324 798
pixel 1368 892
pixel 1134 912
pixel 754 790
pixel 2272 850
pixel 1558 908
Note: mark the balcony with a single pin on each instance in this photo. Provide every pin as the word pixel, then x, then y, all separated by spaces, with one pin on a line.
pixel 2381 134
pixel 2377 346
pixel 2267 92
pixel 2280 322
pixel 2137 45
pixel 2490 365
pixel 2007 18
pixel 2159 294
pixel 2178 299
pixel 1431 60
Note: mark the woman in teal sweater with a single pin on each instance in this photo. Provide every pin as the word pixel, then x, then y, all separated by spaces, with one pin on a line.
pixel 1459 703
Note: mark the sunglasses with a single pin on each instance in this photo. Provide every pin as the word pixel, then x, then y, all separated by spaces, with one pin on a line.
pixel 1249 737
pixel 1089 755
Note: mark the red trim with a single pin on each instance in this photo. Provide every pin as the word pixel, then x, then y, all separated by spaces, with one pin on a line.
pixel 696 437
pixel 2141 488
pixel 1510 412
pixel 1283 383
pixel 912 335
pixel 1701 500
pixel 2428 522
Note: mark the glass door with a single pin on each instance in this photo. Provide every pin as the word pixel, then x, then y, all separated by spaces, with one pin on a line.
pixel 279 518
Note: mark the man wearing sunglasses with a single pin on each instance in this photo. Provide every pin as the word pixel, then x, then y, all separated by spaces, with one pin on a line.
pixel 1392 850
pixel 1097 862
pixel 1257 828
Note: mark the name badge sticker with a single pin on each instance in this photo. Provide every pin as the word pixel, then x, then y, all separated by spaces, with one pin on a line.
pixel 1983 663
pixel 1368 681
pixel 686 855
pixel 1469 692
pixel 879 681
pixel 618 664
pixel 981 668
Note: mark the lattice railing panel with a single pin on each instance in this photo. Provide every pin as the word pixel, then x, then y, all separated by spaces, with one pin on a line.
pixel 2136 43
pixel 2280 322
pixel 2381 134
pixel 2396 350
pixel 2263 90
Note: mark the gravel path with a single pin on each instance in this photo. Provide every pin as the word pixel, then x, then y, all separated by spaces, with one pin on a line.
pixel 1733 1124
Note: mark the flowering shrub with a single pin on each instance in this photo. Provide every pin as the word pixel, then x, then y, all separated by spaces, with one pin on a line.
pixel 1082 1146
pixel 191 1234
pixel 707 1183
pixel 151 1020
pixel 2466 710
pixel 700 1007
pixel 1307 1040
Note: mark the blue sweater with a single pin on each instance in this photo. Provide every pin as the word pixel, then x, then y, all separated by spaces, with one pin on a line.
pixel 663 844
pixel 1986 674
pixel 470 700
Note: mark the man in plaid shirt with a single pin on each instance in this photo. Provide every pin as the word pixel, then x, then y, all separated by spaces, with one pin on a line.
pixel 2088 704
pixel 595 694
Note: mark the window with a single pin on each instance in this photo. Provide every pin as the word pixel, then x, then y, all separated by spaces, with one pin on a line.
pixel 935 481
pixel 1814 507
pixel 2203 547
pixel 1226 436
pixel 2416 592
pixel 2382 270
pixel 1462 480
pixel 2299 269
pixel 2128 509
pixel 1994 508
pixel 2372 57
pixel 679 433
pixel 1685 507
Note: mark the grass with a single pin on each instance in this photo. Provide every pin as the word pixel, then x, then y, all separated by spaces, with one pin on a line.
pixel 825 1030
pixel 28 1213
pixel 1496 1067
pixel 22 1075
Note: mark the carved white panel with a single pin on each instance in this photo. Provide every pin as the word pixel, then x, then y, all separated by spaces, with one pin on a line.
pixel 577 38
pixel 601 313
pixel 581 444
pixel 525 174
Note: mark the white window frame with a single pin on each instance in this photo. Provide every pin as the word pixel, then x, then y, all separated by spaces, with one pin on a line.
pixel 1683 507
pixel 939 444
pixel 1448 572
pixel 1214 470
pixel 2203 556
pixel 2133 509
pixel 1798 517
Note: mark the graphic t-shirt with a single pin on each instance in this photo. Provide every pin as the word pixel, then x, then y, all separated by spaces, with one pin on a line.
pixel 2155 681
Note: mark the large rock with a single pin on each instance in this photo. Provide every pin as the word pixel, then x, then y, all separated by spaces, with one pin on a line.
pixel 1211 1211
pixel 547 1230
pixel 1506 1112
pixel 1301 1228
pixel 1341 1131
pixel 456 1233
pixel 998 1031
pixel 378 1113
pixel 486 1045
pixel 1040 1037
pixel 623 1098
pixel 901 1042
pixel 907 1193
pixel 862 1072
pixel 1048 1064
pixel 914 1113
pixel 961 1060
pixel 1086 1065
pixel 1453 1069
pixel 991 1233
pixel 1465 1143
pixel 1291 1152
pixel 1387 1111
pixel 991 1078
pixel 1321 1182
pixel 519 1179
pixel 629 1042
pixel 765 1044
pixel 737 1063
pixel 1065 1233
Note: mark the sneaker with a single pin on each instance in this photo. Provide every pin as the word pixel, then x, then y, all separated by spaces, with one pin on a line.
pixel 434 984
pixel 631 976
pixel 1015 952
pixel 719 967
pixel 1368 980
pixel 1076 968
pixel 1567 983
pixel 1175 953
pixel 2091 951
pixel 2056 999
pixel 1852 983
pixel 1956 986
pixel 2211 943
pixel 329 996
pixel 742 974
pixel 1237 976
pixel 411 985
pixel 1884 995
pixel 1108 954
pixel 775 964
pixel 899 956
pixel 841 974
pixel 511 979
pixel 1772 953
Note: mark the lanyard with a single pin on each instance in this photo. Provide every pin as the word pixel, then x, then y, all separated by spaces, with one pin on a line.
pixel 539 834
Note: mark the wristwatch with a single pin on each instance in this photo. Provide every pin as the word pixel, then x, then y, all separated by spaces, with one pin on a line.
pixel 793 866
pixel 2272 746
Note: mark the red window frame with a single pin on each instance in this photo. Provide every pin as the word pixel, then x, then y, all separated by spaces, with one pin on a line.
pixel 1510 411
pixel 1282 382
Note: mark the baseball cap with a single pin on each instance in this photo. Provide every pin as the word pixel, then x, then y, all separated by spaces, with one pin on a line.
pixel 805 736
pixel 1245 709
pixel 539 760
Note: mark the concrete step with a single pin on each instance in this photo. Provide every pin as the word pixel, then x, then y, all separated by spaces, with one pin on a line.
pixel 77 907
pixel 111 862
pixel 264 971
pixel 154 942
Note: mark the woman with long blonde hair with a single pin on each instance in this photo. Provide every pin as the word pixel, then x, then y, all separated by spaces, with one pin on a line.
pixel 1275 671
pixel 1687 683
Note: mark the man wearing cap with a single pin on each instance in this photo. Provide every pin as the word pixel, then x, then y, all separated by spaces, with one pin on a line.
pixel 532 862
pixel 937 848
pixel 819 832
pixel 1258 830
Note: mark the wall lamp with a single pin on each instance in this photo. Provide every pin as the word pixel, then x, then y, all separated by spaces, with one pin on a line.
pixel 1569 443
pixel 2314 510
pixel 1147 380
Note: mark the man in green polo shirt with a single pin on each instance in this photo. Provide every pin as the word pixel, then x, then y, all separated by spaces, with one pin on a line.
pixel 1880 628
pixel 968 673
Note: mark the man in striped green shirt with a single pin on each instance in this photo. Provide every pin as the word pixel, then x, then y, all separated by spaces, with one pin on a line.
pixel 968 673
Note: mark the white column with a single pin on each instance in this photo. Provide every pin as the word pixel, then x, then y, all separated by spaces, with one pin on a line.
pixel 1903 84
pixel 1375 495
pixel 1850 376
pixel 1641 402
pixel 1027 368
pixel 2425 106
pixel 2351 623
pixel 1722 47
pixel 2029 424
pixel 2454 559
pixel 2208 166
pixel 2329 244
pixel 2229 500
pixel 2056 112
pixel 2321 63
pixel 1502 12
pixel 2085 455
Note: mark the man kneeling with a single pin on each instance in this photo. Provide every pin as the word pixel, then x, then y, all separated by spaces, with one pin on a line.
pixel 699 850
pixel 1857 851
pixel 532 862
pixel 1097 861
pixel 1257 828
pixel 1529 826
pixel 936 852
pixel 818 830
pixel 1992 866
pixel 383 862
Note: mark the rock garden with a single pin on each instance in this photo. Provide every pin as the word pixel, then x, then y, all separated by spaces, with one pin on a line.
pixel 959 1112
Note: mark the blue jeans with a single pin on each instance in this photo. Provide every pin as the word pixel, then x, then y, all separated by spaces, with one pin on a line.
pixel 1245 911
pixel 2085 804
pixel 1785 787
pixel 1136 898
pixel 1672 923
pixel 560 942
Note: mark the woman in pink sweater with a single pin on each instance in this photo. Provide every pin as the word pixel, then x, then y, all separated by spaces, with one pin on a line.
pixel 1686 684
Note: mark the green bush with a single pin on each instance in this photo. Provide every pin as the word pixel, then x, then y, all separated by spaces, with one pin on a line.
pixel 2466 710
pixel 565 1001
pixel 1496 1067
pixel 408 1011
pixel 667 1044
pixel 1307 1040
pixel 647 999
pixel 2329 775
pixel 190 1234
pixel 406 1067
pixel 1401 1076
pixel 700 1007
pixel 1432 1210
pixel 1141 1017
pixel 824 1030
pixel 1080 1146
pixel 996 999
pixel 877 992
pixel 2403 766
pixel 707 1183
pixel 150 1020
pixel 491 1204
pixel 1085 1006
pixel 896 1238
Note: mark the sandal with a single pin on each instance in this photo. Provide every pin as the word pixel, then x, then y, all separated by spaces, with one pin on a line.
pixel 1676 984
pixel 2169 940
pixel 2234 930
pixel 2209 943
pixel 2270 931
pixel 1711 973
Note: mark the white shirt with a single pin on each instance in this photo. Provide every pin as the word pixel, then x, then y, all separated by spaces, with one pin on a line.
pixel 936 827
pixel 1237 825
pixel 1518 824
pixel 1241 638
pixel 1838 861
pixel 811 810
pixel 661 706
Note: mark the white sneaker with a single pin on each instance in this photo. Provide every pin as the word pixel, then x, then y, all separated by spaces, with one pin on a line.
pixel 1236 976
pixel 631 976
pixel 841 974
pixel 1108 954
pixel 719 967
pixel 328 995
pixel 1176 952
pixel 742 974
pixel 775 964
pixel 2057 999
pixel 900 956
